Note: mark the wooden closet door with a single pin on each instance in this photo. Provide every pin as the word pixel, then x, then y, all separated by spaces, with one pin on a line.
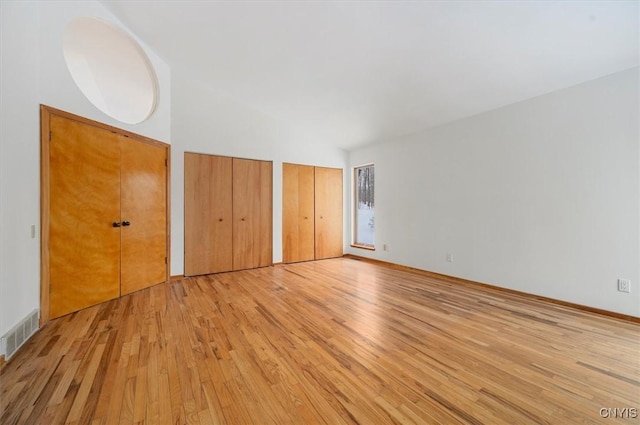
pixel 84 202
pixel 252 214
pixel 328 209
pixel 298 232
pixel 144 214
pixel 207 214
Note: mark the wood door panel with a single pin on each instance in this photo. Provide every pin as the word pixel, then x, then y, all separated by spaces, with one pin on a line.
pixel 265 223
pixel 252 214
pixel 298 232
pixel 84 191
pixel 208 214
pixel 144 206
pixel 328 209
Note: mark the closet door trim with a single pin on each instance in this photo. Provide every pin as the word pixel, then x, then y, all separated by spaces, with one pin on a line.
pixel 45 202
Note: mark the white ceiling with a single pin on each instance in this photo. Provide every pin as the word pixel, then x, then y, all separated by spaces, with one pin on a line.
pixel 357 72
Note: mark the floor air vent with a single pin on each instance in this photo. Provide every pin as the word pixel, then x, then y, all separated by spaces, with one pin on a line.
pixel 19 334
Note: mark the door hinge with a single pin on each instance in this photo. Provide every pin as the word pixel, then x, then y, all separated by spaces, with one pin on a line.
pixel 50 135
pixel 165 260
pixel 166 162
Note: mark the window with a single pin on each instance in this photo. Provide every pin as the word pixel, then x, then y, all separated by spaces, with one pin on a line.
pixel 364 217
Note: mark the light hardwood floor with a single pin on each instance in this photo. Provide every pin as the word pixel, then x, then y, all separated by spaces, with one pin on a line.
pixel 329 342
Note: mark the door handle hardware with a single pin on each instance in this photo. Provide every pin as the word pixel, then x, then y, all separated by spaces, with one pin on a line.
pixel 116 224
pixel 126 223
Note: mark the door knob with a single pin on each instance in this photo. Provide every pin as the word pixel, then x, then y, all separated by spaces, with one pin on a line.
pixel 126 223
pixel 116 224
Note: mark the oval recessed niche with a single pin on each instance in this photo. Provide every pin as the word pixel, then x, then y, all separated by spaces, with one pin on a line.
pixel 110 69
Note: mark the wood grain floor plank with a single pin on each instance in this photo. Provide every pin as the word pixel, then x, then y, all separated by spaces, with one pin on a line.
pixel 329 342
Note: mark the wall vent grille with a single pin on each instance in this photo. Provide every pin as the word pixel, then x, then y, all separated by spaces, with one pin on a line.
pixel 19 334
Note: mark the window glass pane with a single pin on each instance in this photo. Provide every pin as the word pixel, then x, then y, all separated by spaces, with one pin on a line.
pixel 365 206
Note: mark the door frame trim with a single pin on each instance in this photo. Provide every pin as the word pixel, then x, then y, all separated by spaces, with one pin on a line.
pixel 45 202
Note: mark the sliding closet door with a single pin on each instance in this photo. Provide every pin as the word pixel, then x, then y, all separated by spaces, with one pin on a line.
pixel 144 215
pixel 84 204
pixel 208 214
pixel 298 232
pixel 252 214
pixel 328 212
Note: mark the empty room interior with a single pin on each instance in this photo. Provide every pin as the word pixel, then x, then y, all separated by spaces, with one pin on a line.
pixel 319 212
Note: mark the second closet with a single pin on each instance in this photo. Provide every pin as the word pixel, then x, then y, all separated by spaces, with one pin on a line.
pixel 228 214
pixel 311 213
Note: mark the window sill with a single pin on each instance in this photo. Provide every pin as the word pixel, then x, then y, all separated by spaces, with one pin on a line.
pixel 367 247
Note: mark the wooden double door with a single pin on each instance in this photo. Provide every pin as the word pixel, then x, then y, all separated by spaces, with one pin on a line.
pixel 228 214
pixel 311 213
pixel 104 213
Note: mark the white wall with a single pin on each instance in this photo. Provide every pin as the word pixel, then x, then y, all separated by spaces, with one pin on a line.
pixel 541 196
pixel 34 72
pixel 204 121
pixel 19 162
